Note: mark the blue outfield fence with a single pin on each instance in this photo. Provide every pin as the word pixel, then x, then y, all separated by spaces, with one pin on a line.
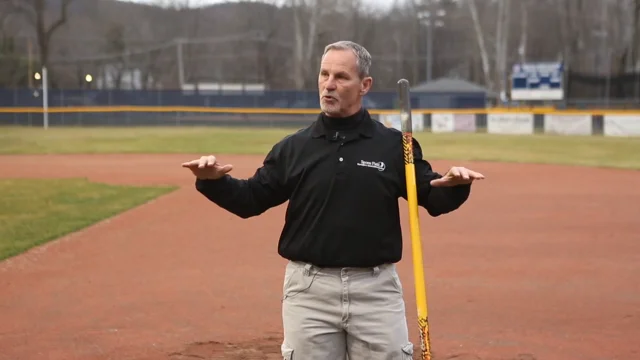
pixel 493 121
pixel 242 99
pixel 435 112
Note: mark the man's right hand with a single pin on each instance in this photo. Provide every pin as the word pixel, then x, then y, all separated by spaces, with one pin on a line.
pixel 207 167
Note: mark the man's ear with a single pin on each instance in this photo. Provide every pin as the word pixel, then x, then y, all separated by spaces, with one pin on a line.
pixel 365 85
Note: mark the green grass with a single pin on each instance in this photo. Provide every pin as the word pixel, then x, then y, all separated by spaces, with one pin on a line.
pixel 595 151
pixel 34 211
pixel 14 140
pixel 568 150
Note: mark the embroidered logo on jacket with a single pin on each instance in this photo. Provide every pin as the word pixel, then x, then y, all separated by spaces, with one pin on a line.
pixel 372 164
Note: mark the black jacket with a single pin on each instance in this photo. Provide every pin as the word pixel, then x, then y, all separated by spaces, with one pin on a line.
pixel 343 179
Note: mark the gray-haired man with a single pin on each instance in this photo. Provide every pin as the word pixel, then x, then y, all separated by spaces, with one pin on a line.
pixel 343 176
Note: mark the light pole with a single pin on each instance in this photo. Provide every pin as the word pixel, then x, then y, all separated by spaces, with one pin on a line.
pixel 431 21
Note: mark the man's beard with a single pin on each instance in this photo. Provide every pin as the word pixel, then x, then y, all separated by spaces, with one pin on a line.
pixel 330 108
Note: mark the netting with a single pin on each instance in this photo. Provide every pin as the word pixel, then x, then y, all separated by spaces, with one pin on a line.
pixel 161 117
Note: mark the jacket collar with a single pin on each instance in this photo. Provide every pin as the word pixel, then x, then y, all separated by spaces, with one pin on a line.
pixel 365 125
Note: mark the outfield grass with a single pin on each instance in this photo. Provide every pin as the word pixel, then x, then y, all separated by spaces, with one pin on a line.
pixel 34 211
pixel 16 140
pixel 568 150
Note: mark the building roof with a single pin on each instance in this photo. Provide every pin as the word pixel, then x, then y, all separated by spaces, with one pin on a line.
pixel 449 85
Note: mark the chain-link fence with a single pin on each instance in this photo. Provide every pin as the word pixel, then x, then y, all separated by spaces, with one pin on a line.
pixel 242 99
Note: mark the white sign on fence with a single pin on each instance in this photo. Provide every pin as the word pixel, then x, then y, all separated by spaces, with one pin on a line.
pixel 417 122
pixel 447 122
pixel 464 122
pixel 442 122
pixel 622 125
pixel 393 121
pixel 567 124
pixel 510 123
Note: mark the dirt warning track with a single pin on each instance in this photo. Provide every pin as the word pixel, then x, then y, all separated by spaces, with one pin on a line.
pixel 542 263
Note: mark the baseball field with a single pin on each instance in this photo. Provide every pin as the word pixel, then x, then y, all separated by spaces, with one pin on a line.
pixel 108 252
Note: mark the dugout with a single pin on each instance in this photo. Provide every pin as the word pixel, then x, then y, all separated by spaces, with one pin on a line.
pixel 450 93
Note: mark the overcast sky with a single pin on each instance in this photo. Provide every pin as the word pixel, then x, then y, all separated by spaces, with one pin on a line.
pixel 383 4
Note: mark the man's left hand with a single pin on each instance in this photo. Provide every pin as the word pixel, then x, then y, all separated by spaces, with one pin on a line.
pixel 457 176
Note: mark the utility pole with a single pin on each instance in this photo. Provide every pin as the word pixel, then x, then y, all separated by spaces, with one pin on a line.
pixel 179 43
pixel 606 51
pixel 430 17
pixel 429 47
pixel 29 63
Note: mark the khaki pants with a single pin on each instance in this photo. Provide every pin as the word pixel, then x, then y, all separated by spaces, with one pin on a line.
pixel 339 314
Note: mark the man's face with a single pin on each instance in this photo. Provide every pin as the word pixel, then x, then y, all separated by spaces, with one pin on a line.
pixel 341 89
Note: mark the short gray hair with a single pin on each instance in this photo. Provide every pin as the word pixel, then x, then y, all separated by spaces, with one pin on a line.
pixel 363 58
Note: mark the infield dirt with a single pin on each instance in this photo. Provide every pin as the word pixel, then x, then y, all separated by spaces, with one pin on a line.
pixel 542 263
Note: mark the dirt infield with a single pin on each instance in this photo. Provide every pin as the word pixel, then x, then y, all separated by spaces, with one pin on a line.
pixel 542 263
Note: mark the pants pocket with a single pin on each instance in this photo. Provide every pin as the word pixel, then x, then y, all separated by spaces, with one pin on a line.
pixel 293 279
pixel 289 272
pixel 407 351
pixel 395 280
pixel 287 352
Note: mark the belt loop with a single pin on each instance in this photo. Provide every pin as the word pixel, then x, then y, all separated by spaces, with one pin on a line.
pixel 376 271
pixel 307 269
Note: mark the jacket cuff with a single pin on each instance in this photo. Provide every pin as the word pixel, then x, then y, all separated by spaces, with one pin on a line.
pixel 461 192
pixel 209 186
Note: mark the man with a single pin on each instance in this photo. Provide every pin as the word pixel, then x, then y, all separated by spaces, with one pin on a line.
pixel 343 176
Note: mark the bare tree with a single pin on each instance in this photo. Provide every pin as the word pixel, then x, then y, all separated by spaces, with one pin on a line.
pixel 279 42
pixel 626 29
pixel 35 11
pixel 524 29
pixel 12 70
pixel 303 45
pixel 270 56
pixel 115 43
pixel 502 43
pixel 307 28
pixel 635 38
pixel 482 47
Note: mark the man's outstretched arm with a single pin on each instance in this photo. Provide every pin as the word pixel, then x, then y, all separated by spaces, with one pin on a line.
pixel 242 197
pixel 441 194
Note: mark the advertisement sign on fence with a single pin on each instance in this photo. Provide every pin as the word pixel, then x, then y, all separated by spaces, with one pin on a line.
pixel 442 122
pixel 464 122
pixel 510 123
pixel 390 121
pixel 566 124
pixel 622 125
pixel 393 121
pixel 447 122
pixel 417 122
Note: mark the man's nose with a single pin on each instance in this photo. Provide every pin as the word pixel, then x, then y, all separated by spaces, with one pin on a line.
pixel 331 83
